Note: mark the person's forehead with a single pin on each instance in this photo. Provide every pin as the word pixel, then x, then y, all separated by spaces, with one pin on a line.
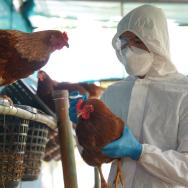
pixel 127 34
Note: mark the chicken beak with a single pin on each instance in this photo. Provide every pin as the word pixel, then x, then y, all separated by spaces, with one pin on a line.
pixel 67 44
pixel 79 114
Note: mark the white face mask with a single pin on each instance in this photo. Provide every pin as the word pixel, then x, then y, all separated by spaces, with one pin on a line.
pixel 137 62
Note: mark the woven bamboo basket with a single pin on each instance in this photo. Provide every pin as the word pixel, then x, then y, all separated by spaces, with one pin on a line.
pixel 36 142
pixel 23 137
pixel 13 135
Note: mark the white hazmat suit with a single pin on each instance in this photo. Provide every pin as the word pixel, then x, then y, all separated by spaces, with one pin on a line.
pixel 154 108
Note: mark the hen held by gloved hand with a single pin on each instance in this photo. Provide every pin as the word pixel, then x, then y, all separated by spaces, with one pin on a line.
pixel 96 127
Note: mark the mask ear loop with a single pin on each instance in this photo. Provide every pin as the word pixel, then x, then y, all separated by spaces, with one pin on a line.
pixel 122 43
pixel 118 44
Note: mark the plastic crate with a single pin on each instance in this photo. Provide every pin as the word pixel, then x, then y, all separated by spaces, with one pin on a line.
pixel 22 94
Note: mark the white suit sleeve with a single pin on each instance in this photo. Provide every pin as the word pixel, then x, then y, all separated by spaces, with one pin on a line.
pixel 170 166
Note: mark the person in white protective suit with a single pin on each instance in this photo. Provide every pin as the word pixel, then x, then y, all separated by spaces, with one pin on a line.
pixel 153 101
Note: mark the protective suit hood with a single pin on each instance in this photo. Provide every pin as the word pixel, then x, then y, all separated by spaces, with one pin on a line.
pixel 150 25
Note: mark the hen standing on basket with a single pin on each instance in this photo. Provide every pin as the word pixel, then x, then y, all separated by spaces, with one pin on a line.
pixel 23 53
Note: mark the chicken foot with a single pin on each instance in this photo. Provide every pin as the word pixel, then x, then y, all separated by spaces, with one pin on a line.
pixel 119 176
pixel 103 182
pixel 5 97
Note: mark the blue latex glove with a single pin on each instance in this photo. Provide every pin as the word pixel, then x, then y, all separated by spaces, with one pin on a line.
pixel 73 99
pixel 126 146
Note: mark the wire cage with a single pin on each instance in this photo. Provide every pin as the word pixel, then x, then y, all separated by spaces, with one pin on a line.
pixel 36 142
pixel 13 135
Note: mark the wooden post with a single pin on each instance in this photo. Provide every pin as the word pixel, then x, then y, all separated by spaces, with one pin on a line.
pixel 65 138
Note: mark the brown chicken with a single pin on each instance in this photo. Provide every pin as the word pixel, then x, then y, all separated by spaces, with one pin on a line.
pixel 94 90
pixel 98 126
pixel 23 53
pixel 46 86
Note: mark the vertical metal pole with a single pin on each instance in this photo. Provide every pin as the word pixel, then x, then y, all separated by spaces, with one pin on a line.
pixel 96 175
pixel 65 138
pixel 121 8
pixel 11 14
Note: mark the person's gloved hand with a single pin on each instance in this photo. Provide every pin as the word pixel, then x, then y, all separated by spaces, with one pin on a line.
pixel 126 146
pixel 73 100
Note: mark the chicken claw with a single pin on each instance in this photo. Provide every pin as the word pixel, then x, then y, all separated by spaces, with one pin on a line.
pixel 5 99
pixel 119 176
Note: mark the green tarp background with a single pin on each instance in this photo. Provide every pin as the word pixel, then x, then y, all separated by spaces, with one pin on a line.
pixel 10 18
